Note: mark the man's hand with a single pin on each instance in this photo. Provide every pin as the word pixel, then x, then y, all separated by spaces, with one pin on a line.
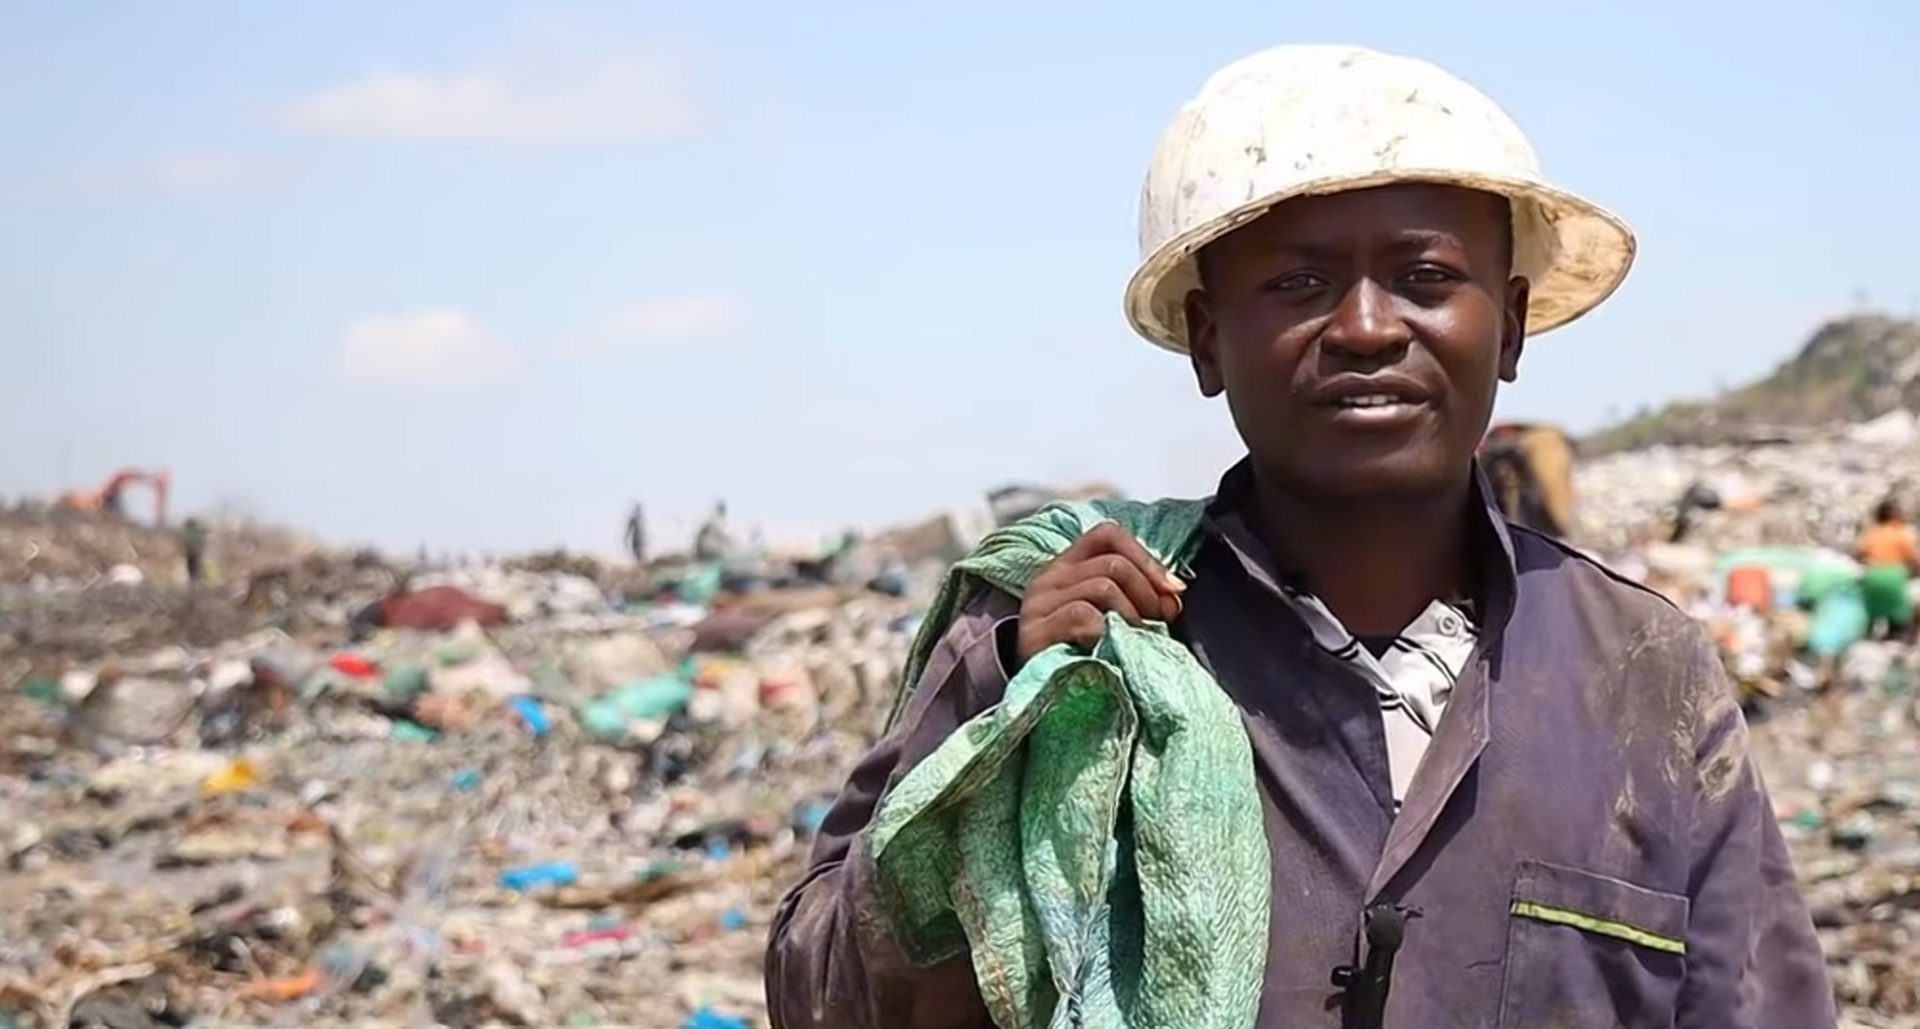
pixel 1105 570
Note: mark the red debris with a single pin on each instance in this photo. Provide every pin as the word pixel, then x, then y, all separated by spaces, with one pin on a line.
pixel 354 666
pixel 438 609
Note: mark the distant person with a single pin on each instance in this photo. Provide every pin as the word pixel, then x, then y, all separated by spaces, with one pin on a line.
pixel 1531 470
pixel 1889 550
pixel 193 547
pixel 636 535
pixel 713 542
pixel 1698 497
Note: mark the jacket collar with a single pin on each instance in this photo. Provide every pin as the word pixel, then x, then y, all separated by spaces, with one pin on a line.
pixel 1228 518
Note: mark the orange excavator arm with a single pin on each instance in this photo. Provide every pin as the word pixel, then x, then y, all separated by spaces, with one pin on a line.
pixel 107 497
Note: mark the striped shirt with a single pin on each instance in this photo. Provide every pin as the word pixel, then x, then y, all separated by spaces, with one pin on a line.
pixel 1412 674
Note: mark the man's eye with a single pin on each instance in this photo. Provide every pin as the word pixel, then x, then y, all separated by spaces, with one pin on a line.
pixel 1293 282
pixel 1428 275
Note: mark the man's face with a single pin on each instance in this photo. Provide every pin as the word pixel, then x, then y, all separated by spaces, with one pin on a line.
pixel 1360 337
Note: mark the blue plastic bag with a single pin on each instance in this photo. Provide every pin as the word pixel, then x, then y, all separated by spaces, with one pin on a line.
pixel 529 877
pixel 532 715
pixel 1839 621
pixel 707 1018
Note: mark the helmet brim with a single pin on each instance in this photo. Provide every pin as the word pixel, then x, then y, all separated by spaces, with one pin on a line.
pixel 1574 252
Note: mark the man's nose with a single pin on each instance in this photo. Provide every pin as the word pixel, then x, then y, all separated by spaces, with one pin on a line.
pixel 1365 323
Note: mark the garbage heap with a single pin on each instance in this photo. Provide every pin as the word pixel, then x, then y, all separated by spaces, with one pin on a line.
pixel 1832 705
pixel 478 795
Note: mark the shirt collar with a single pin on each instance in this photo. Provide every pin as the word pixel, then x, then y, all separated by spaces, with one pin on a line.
pixel 1491 543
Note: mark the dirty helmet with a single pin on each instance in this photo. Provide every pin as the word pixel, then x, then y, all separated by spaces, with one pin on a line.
pixel 1309 120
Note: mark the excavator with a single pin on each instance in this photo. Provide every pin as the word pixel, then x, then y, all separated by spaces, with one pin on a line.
pixel 110 498
pixel 1531 468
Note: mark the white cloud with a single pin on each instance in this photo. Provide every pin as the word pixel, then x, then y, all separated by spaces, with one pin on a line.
pixel 423 349
pixel 525 104
pixel 663 321
pixel 186 170
pixel 440 347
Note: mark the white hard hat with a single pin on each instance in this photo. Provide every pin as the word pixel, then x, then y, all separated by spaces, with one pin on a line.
pixel 1306 120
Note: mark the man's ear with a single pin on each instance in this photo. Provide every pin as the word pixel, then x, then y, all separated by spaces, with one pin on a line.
pixel 1513 328
pixel 1203 344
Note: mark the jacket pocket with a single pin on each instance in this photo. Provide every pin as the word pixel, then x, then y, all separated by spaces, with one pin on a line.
pixel 1589 950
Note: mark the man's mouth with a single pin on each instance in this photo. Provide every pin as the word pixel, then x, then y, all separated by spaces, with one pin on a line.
pixel 1377 404
pixel 1366 401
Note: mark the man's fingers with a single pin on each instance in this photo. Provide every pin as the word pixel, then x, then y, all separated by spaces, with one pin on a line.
pixel 1079 623
pixel 1109 537
pixel 1103 593
pixel 1105 570
pixel 1119 570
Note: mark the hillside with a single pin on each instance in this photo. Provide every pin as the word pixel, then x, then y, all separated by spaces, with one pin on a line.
pixel 1852 370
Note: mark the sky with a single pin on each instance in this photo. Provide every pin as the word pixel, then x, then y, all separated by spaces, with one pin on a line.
pixel 479 276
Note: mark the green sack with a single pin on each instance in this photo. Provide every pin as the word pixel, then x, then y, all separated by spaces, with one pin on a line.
pixel 1061 838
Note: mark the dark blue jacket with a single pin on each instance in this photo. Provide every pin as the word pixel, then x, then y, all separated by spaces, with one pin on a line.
pixel 1587 840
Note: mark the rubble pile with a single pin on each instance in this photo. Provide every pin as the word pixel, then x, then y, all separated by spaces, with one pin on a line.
pixel 89 587
pixel 1815 491
pixel 53 546
pixel 1833 710
pixel 487 794
pixel 1844 772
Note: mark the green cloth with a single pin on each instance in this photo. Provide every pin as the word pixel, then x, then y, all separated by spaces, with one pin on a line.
pixel 1884 588
pixel 1095 840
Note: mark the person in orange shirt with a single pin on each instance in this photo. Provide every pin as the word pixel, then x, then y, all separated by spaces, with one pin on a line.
pixel 1889 550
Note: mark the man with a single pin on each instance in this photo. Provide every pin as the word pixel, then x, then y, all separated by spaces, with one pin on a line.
pixel 1892 557
pixel 713 542
pixel 1530 468
pixel 193 548
pixel 635 536
pixel 1490 775
pixel 1698 497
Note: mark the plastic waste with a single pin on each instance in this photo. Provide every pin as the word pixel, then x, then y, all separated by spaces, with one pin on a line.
pixel 467 780
pixel 606 664
pixel 700 584
pixel 462 652
pixel 1839 621
pixel 354 666
pixel 444 712
pixel 654 699
pixel 658 697
pixel 1751 587
pixel 1856 832
pixel 284 988
pixel 1809 572
pixel 405 683
pixel 708 1018
pixel 531 877
pixel 810 815
pixel 532 715
pixel 587 937
pixel 436 609
pixel 413 732
pixel 238 775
